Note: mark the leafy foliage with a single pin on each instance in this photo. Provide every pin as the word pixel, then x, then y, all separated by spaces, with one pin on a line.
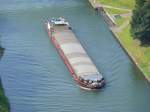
pixel 141 21
pixel 4 105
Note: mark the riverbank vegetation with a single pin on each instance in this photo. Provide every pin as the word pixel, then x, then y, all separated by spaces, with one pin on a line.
pixel 121 12
pixel 141 21
pixel 129 4
pixel 4 105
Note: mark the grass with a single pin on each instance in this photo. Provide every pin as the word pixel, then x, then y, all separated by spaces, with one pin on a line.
pixel 140 53
pixel 120 21
pixel 4 105
pixel 128 4
pixel 116 11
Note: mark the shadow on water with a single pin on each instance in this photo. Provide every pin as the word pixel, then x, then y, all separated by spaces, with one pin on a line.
pixel 1 52
pixel 138 75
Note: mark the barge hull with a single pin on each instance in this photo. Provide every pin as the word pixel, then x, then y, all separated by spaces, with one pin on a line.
pixel 73 55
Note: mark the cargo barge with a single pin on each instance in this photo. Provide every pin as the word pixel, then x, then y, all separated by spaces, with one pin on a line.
pixel 73 54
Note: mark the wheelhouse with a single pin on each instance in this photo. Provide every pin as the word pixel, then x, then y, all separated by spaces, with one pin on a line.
pixel 93 80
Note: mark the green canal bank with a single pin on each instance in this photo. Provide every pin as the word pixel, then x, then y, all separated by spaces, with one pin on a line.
pixel 118 16
pixel 4 105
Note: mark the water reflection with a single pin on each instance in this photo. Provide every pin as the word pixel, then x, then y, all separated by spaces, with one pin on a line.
pixel 1 52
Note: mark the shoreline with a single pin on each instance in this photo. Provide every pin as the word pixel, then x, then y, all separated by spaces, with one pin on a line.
pixel 4 104
pixel 108 20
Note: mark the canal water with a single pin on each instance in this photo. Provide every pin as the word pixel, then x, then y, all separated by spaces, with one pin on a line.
pixel 34 76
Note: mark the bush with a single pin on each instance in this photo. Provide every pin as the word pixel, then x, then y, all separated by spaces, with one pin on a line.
pixel 4 105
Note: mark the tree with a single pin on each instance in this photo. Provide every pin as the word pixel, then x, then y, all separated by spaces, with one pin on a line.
pixel 141 21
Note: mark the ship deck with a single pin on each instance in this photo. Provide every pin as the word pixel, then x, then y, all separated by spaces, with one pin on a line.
pixel 74 52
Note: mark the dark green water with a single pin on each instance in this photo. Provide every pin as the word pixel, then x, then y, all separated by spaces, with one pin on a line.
pixel 34 76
